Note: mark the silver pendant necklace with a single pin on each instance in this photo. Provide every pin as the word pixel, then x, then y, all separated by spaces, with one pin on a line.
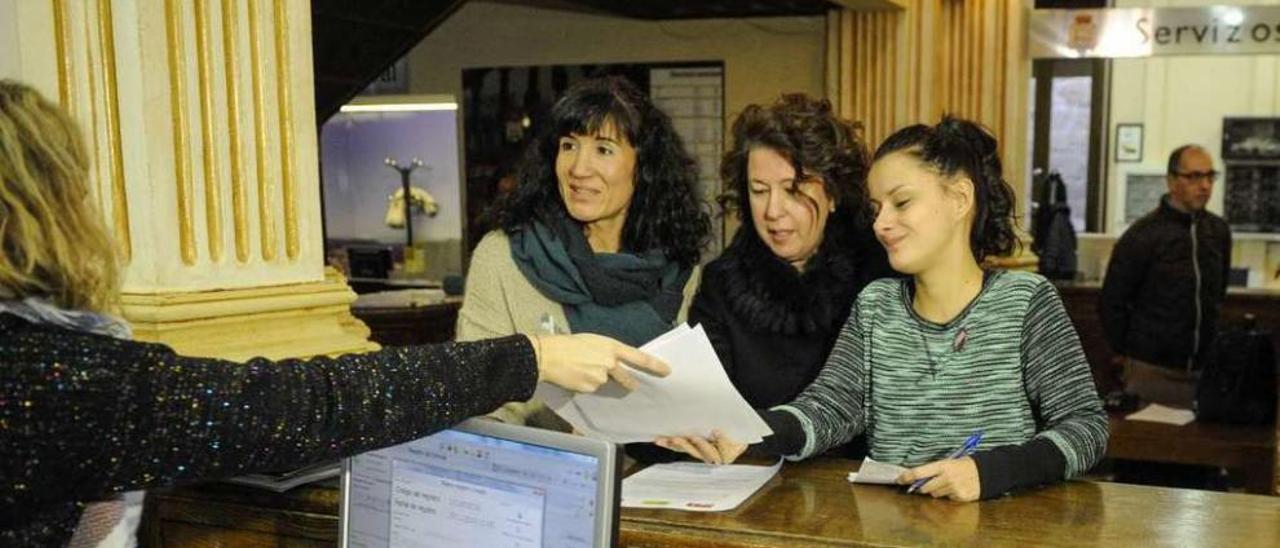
pixel 957 345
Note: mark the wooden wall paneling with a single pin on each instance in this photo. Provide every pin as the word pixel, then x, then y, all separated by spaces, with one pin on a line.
pixel 882 100
pixel 912 42
pixel 846 63
pixel 964 62
pixel 935 57
pixel 831 68
pixel 866 70
pixel 884 76
pixel 945 61
pixel 892 22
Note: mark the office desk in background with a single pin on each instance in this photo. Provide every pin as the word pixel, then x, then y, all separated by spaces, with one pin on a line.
pixel 1249 449
pixel 404 325
pixel 808 504
pixel 1228 446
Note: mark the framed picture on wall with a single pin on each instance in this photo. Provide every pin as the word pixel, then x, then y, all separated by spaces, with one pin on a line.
pixel 1128 142
pixel 1140 188
pixel 1251 197
pixel 1251 139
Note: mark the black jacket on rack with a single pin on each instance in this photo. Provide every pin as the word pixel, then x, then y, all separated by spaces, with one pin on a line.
pixel 1054 236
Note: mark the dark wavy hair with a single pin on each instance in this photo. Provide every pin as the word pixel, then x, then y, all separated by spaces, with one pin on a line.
pixel 666 211
pixel 818 143
pixel 957 146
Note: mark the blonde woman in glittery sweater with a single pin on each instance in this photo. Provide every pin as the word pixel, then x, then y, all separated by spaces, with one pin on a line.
pixel 87 414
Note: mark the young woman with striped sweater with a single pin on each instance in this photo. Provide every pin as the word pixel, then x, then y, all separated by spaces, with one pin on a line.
pixel 926 362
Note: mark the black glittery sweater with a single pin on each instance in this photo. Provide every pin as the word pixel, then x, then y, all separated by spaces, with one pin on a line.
pixel 83 417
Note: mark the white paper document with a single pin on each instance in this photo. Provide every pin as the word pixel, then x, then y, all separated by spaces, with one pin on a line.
pixel 878 473
pixel 1168 415
pixel 696 398
pixel 695 486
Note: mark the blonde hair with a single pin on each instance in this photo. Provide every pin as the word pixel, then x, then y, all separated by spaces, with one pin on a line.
pixel 54 242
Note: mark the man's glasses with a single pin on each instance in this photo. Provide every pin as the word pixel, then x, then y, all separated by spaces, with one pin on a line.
pixel 1210 176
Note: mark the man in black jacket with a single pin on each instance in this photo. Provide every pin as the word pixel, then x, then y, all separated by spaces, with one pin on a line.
pixel 1166 280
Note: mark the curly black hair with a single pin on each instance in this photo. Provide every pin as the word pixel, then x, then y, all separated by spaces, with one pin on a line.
pixel 666 210
pixel 957 146
pixel 818 143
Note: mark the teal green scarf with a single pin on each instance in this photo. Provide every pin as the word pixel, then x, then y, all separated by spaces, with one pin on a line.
pixel 632 298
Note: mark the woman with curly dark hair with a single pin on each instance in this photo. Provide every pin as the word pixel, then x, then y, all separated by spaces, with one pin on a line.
pixel 602 235
pixel 973 379
pixel 774 301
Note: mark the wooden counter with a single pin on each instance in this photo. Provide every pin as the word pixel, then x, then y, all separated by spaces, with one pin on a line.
pixel 809 504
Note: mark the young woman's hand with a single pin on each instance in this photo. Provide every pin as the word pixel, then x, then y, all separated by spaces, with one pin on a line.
pixel 720 449
pixel 956 479
pixel 585 362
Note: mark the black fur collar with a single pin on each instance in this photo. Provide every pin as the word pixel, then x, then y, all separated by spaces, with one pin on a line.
pixel 771 296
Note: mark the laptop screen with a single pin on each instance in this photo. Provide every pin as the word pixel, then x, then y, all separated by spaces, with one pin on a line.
pixel 481 485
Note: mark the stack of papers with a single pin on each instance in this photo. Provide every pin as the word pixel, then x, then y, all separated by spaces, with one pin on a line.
pixel 696 398
pixel 1167 415
pixel 877 473
pixel 695 486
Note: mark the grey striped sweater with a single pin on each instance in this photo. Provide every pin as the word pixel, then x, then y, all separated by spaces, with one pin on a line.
pixel 918 390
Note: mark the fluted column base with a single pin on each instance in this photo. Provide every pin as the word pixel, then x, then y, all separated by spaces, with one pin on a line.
pixel 284 321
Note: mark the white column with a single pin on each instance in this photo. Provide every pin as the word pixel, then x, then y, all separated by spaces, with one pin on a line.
pixel 199 115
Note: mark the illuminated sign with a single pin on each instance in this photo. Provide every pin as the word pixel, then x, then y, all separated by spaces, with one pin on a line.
pixel 1144 32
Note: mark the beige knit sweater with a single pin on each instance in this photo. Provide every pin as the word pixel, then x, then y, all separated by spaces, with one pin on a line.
pixel 500 301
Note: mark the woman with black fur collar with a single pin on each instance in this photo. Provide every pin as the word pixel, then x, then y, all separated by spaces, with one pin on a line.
pixel 774 301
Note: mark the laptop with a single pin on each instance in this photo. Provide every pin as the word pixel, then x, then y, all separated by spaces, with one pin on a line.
pixel 483 483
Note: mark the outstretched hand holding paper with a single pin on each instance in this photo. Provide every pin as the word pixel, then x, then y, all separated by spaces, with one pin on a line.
pixel 694 399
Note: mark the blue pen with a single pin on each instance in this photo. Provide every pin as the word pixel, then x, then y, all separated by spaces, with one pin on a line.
pixel 965 450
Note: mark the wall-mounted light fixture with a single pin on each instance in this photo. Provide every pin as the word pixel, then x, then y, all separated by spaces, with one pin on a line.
pixel 401 103
pixel 398 107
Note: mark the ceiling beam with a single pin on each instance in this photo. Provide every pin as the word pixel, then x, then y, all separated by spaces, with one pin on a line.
pixel 871 5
